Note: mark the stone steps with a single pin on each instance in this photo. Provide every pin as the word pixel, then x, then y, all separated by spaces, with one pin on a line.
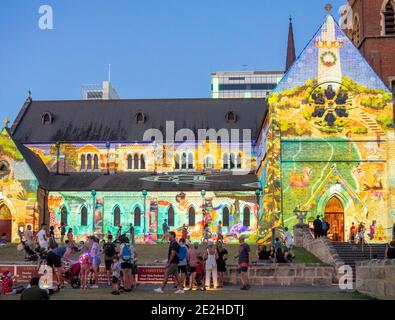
pixel 352 253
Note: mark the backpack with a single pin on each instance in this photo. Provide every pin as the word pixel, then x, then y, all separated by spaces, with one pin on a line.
pixel 182 253
pixel 126 253
pixel 109 249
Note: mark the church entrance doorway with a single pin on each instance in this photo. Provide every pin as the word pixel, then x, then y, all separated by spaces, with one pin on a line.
pixel 334 215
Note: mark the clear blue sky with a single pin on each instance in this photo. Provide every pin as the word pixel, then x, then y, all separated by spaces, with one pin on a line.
pixel 157 48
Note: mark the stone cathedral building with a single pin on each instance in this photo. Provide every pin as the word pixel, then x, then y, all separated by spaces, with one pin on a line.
pixel 322 144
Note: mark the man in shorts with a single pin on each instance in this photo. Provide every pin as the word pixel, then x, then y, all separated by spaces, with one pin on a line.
pixel 172 265
pixel 244 262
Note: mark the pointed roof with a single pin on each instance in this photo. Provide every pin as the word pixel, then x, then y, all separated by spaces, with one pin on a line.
pixel 353 64
pixel 291 55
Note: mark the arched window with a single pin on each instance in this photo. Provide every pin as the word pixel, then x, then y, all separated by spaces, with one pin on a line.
pixel 191 217
pixel 208 163
pixel 142 162
pixel 246 217
pixel 226 161
pixel 230 116
pixel 63 215
pixel 356 35
pixel 225 217
pixel 136 162
pixel 389 19
pixel 47 118
pixel 130 162
pixel 137 217
pixel 89 162
pixel 95 162
pixel 190 161
pixel 83 162
pixel 117 216
pixel 177 162
pixel 84 216
pixel 170 217
pixel 238 161
pixel 232 163
pixel 184 161
pixel 140 118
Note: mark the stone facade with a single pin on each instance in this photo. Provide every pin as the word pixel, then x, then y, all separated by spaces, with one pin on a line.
pixel 322 248
pixel 285 275
pixel 376 278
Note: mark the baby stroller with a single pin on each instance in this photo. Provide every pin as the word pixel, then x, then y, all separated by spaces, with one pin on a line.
pixel 30 254
pixel 72 274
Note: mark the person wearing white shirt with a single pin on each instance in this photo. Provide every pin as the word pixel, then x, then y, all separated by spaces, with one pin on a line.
pixel 289 239
pixel 42 237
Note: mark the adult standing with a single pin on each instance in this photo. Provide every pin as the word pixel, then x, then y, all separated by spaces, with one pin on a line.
pixel 28 236
pixel 131 233
pixel 119 234
pixel 172 265
pixel 221 263
pixel 194 254
pixel 289 239
pixel 390 251
pixel 211 257
pixel 353 232
pixel 317 227
pixel 183 264
pixel 361 233
pixel 109 250
pixel 325 227
pixel 127 258
pixel 219 231
pixel 244 262
pixel 62 232
pixel 42 238
pixel 165 230
pixel 184 234
pixel 95 256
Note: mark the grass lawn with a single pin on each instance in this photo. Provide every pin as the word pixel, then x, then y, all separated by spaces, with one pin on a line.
pixel 151 253
pixel 145 293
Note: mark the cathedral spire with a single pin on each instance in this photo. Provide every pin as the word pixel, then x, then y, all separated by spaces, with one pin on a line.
pixel 291 56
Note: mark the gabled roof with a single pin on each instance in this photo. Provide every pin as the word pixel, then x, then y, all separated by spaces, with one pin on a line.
pixel 34 162
pixel 115 120
pixel 353 63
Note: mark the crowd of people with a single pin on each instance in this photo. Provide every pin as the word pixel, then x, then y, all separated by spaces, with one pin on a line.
pixel 192 266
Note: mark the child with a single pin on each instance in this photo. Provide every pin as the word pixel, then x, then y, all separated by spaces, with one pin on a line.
pixel 116 275
pixel 7 281
pixel 85 266
pixel 200 273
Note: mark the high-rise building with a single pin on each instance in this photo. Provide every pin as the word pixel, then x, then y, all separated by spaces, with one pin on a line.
pixel 105 91
pixel 244 84
pixel 371 26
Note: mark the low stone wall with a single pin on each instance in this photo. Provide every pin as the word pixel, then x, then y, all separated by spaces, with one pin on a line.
pixel 322 247
pixel 297 274
pixel 376 278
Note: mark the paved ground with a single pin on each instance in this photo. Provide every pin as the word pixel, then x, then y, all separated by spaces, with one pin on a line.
pixel 145 292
